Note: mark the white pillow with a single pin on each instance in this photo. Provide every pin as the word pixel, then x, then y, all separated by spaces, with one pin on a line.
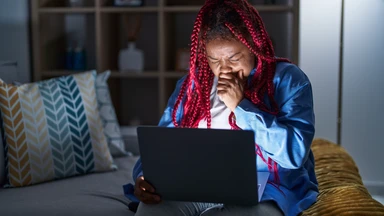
pixel 108 116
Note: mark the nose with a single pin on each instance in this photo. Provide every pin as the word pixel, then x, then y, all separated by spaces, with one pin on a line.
pixel 225 68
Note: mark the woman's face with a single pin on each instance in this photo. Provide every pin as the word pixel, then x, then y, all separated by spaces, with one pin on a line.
pixel 229 56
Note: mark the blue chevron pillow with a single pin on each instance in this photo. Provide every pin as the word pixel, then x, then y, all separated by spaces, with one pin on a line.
pixel 53 130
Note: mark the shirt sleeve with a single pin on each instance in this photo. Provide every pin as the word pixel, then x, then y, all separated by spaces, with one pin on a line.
pixel 286 137
pixel 165 121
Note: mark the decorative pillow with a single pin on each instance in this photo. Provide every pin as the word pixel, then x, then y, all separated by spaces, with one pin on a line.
pixel 53 130
pixel 108 116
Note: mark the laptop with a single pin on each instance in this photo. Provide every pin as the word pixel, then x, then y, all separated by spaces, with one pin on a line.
pixel 200 165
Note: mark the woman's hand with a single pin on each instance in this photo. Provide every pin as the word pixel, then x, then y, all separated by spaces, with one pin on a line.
pixel 145 192
pixel 230 89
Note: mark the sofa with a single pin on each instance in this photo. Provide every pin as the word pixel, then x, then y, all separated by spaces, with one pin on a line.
pixel 341 189
pixel 104 158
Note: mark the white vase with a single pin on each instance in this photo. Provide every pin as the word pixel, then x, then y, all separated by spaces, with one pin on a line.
pixel 131 59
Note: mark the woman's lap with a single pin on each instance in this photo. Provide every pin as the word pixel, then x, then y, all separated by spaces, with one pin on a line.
pixel 207 209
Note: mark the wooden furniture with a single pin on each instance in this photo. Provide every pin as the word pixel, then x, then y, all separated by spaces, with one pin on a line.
pixel 166 28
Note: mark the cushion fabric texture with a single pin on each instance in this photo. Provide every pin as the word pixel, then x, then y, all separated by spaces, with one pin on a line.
pixel 108 116
pixel 341 189
pixel 93 194
pixel 53 130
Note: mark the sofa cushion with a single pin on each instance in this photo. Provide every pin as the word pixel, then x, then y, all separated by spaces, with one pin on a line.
pixel 93 194
pixel 53 130
pixel 108 116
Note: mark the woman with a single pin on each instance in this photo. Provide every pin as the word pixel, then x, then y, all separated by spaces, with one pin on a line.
pixel 236 82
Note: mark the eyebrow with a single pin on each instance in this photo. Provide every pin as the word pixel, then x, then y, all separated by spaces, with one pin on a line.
pixel 229 57
pixel 234 55
pixel 212 58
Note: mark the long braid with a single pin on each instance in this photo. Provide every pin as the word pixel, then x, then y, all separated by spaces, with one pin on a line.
pixel 197 113
pixel 179 100
pixel 194 90
pixel 192 72
pixel 208 82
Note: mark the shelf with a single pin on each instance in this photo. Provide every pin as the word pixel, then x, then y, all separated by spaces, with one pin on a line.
pixel 166 27
pixel 128 9
pixel 273 8
pixel 175 74
pixel 260 8
pixel 172 9
pixel 139 100
pixel 67 10
pixel 114 36
pixel 58 73
pixel 114 74
pixel 177 9
pixel 148 74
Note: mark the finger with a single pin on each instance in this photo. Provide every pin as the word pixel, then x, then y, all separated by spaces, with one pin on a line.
pixel 144 185
pixel 223 87
pixel 150 197
pixel 241 76
pixel 223 82
pixel 230 83
pixel 228 76
pixel 221 93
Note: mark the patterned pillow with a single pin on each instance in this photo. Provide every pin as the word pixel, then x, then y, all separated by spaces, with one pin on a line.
pixel 53 130
pixel 108 116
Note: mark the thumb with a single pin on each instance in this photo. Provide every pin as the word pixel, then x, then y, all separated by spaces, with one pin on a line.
pixel 241 76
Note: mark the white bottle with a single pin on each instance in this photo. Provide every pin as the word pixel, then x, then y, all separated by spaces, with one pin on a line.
pixel 131 59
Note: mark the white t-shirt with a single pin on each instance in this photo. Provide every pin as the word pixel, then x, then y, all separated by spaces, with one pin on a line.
pixel 219 111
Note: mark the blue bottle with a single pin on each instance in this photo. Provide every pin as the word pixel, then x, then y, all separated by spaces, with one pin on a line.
pixel 79 59
pixel 69 58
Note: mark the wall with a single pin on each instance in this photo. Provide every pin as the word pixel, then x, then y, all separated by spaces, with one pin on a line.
pixel 320 23
pixel 363 88
pixel 14 36
pixel 362 101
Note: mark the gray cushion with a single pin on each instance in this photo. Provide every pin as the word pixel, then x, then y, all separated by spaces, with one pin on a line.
pixel 94 194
